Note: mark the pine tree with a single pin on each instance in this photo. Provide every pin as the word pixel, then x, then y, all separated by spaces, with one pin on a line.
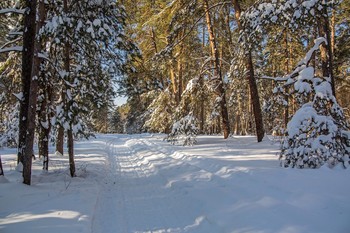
pixel 318 132
pixel 184 131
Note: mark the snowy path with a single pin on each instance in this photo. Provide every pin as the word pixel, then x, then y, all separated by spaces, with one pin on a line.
pixel 136 197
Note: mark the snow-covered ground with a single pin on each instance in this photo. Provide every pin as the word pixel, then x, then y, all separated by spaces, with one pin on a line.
pixel 139 183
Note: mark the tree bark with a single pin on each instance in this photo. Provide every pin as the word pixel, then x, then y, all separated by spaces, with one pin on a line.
pixel 286 108
pixel 27 114
pixel 238 118
pixel 326 49
pixel 26 75
pixel 70 143
pixel 179 80
pixel 68 104
pixel 44 130
pixel 254 94
pixel 60 131
pixel 33 95
pixel 217 79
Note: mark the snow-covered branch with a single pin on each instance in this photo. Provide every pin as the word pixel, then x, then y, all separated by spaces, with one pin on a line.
pixel 302 64
pixel 12 10
pixel 10 42
pixel 12 49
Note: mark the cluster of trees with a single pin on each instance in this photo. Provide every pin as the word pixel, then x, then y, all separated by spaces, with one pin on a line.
pixel 203 57
pixel 235 66
pixel 57 65
pixel 200 66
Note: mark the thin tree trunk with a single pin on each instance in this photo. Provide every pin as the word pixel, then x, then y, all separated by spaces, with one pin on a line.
pixel 43 117
pixel 70 140
pixel 180 86
pixel 45 128
pixel 26 76
pixel 238 118
pixel 70 143
pixel 254 94
pixel 173 78
pixel 60 130
pixel 326 49
pixel 217 80
pixel 286 108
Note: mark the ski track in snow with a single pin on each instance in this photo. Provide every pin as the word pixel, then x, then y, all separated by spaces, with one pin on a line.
pixel 136 197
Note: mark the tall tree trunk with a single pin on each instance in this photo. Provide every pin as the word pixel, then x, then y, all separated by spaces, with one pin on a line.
pixel 217 79
pixel 60 130
pixel 173 78
pixel 69 103
pixel 286 108
pixel 44 126
pixel 33 95
pixel 30 46
pixel 70 143
pixel 238 118
pixel 180 81
pixel 26 75
pixel 326 49
pixel 254 94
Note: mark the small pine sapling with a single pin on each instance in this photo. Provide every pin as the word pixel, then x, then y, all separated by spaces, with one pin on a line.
pixel 184 131
pixel 318 132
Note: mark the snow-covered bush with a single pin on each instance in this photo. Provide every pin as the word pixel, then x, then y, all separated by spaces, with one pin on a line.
pixel 9 128
pixel 318 133
pixel 161 112
pixel 184 131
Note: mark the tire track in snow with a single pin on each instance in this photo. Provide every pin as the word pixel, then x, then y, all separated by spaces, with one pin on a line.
pixel 150 206
pixel 134 196
pixel 161 160
pixel 108 216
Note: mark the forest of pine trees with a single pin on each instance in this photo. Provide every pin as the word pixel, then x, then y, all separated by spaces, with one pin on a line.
pixel 186 67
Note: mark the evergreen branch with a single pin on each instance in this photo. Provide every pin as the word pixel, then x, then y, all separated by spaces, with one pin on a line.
pixel 10 42
pixel 194 25
pixel 12 10
pixel 12 49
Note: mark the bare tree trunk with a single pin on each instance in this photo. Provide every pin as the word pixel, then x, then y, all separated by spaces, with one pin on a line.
pixel 326 49
pixel 180 86
pixel 44 127
pixel 217 80
pixel 238 118
pixel 70 143
pixel 60 131
pixel 27 64
pixel 29 67
pixel 33 95
pixel 173 78
pixel 286 108
pixel 259 125
pixel 70 140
